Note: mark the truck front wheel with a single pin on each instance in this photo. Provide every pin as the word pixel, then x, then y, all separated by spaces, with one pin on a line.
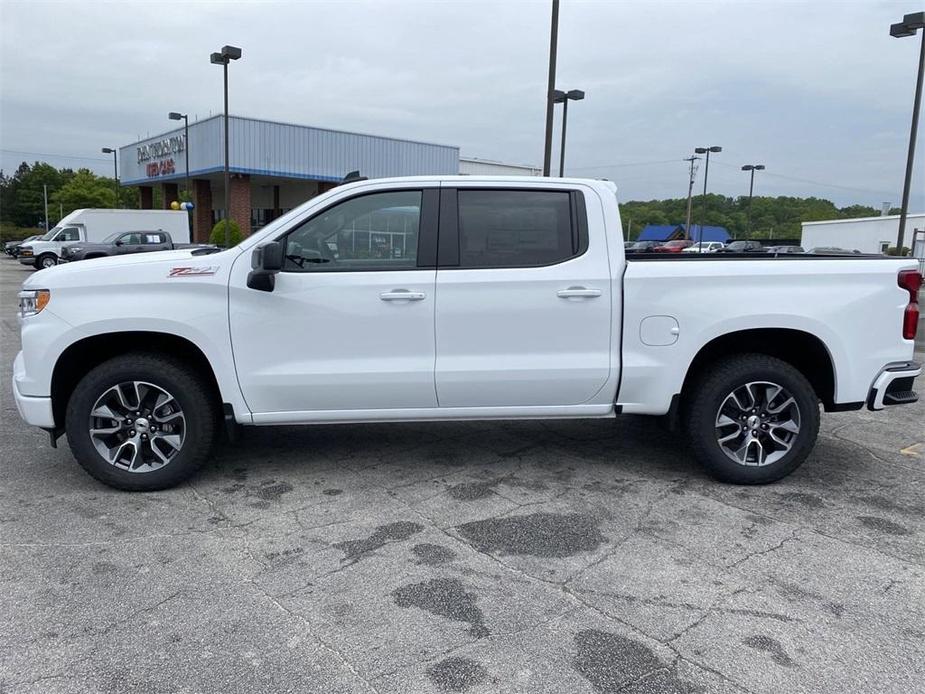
pixel 46 260
pixel 141 422
pixel 753 420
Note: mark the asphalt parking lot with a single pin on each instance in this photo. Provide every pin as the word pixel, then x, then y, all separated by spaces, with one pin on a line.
pixel 491 557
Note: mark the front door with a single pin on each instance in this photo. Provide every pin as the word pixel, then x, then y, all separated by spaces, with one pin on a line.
pixel 523 298
pixel 349 325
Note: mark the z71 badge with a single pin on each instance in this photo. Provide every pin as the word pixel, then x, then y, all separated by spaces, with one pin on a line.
pixel 193 271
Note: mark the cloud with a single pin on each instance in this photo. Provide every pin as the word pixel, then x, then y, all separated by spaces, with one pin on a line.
pixel 816 91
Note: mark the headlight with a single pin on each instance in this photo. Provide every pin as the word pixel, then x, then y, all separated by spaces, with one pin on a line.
pixel 32 301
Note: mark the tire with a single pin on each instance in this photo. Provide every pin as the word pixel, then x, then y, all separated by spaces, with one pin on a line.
pixel 141 461
pixel 45 261
pixel 738 390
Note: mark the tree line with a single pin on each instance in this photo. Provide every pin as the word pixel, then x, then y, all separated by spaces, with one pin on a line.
pixel 778 217
pixel 22 205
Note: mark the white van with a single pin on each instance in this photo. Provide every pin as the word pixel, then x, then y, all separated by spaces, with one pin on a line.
pixel 94 225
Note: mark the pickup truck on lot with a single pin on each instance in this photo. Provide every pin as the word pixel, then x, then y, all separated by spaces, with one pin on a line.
pixel 122 243
pixel 438 298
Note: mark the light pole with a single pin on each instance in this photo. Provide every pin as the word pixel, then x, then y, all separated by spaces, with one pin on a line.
pixel 690 193
pixel 551 86
pixel 225 56
pixel 560 97
pixel 752 168
pixel 706 172
pixel 115 169
pixel 908 27
pixel 173 115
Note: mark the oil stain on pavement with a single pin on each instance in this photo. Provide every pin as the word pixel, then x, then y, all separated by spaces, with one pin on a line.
pixel 355 549
pixel 538 534
pixel 457 674
pixel 760 642
pixel 882 525
pixel 433 555
pixel 611 662
pixel 444 597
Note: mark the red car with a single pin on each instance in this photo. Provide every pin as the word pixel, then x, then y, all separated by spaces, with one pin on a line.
pixel 673 246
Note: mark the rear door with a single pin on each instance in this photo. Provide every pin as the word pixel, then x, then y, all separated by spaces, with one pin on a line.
pixel 523 310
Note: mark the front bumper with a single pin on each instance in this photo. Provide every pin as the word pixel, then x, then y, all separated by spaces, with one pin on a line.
pixel 36 411
pixel 27 258
pixel 893 385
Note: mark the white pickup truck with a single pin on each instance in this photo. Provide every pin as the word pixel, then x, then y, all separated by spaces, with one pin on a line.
pixel 448 298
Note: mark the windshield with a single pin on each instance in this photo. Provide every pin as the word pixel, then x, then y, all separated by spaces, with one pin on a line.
pixel 50 234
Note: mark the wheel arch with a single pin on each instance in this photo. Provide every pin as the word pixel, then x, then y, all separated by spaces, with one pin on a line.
pixel 804 351
pixel 85 354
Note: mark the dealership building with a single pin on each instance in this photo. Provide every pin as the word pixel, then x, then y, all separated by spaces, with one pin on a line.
pixel 866 234
pixel 276 166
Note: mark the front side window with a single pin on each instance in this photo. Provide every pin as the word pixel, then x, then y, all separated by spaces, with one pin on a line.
pixel 131 239
pixel 68 234
pixel 378 231
pixel 515 228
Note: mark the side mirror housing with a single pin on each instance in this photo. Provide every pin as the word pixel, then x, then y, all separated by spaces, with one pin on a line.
pixel 266 261
pixel 119 242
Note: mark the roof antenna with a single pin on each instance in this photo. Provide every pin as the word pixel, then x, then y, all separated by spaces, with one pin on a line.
pixel 353 177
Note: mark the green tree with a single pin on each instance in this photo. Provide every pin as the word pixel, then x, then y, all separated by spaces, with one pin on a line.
pixel 85 189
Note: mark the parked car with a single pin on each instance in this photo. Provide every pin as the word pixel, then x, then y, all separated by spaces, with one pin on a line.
pixel 784 249
pixel 643 247
pixel 11 248
pixel 706 246
pixel 123 243
pixel 674 246
pixel 832 250
pixel 138 365
pixel 745 246
pixel 92 226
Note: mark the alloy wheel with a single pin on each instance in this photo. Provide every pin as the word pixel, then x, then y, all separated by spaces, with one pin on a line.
pixel 757 423
pixel 137 426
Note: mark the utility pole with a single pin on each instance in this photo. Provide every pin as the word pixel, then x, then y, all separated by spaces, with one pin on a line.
pixel 45 191
pixel 690 193
pixel 551 88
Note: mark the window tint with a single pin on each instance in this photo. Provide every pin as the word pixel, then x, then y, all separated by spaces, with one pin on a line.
pixel 514 228
pixel 69 234
pixel 370 232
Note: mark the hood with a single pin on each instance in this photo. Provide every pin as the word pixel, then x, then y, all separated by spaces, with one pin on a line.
pixel 135 266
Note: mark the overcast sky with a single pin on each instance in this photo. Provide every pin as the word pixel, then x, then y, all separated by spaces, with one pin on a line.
pixel 818 92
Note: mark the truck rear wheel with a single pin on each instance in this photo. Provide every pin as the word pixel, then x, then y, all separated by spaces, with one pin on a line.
pixel 141 422
pixel 753 420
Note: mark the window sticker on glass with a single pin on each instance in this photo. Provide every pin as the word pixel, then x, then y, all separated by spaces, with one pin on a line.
pixel 152 238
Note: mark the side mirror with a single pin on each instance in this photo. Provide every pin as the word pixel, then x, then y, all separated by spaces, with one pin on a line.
pixel 119 242
pixel 266 261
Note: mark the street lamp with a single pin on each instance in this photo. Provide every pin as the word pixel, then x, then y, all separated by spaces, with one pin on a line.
pixel 706 172
pixel 173 115
pixel 115 169
pixel 223 57
pixel 751 189
pixel 908 27
pixel 560 97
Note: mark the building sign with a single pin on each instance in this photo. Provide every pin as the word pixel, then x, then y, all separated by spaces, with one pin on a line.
pixel 158 156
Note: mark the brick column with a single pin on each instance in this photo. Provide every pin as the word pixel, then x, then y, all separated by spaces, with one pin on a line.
pixel 171 194
pixel 241 202
pixel 147 197
pixel 202 212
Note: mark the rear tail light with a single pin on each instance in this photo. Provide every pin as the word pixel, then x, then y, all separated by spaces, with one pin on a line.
pixel 911 281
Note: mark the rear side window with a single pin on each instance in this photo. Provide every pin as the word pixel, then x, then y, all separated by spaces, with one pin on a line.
pixel 515 228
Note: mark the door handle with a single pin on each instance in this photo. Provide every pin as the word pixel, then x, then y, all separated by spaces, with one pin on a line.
pixel 402 295
pixel 578 292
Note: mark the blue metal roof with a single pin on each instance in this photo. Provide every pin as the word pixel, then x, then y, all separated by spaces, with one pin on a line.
pixel 664 232
pixel 709 233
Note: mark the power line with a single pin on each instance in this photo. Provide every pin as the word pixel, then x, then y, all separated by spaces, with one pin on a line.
pixel 618 166
pixel 815 183
pixel 53 156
